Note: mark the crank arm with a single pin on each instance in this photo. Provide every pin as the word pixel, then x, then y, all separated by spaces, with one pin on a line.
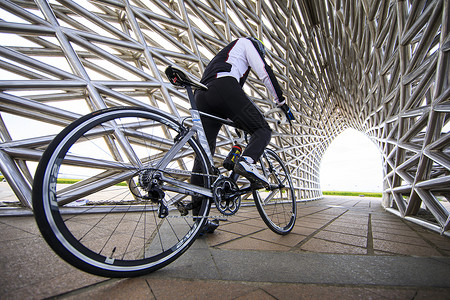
pixel 249 189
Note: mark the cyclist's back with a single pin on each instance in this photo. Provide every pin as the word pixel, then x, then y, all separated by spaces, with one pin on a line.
pixel 236 60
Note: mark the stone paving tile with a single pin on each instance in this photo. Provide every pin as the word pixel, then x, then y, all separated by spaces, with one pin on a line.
pixel 305 211
pixel 236 218
pixel 322 246
pixel 257 295
pixel 154 288
pixel 295 291
pixel 354 218
pixel 435 294
pixel 404 249
pixel 441 242
pixel 319 218
pixel 220 237
pixel 239 228
pixel 24 257
pixel 135 288
pixel 391 225
pixel 332 212
pixel 255 222
pixel 26 224
pixel 312 223
pixel 345 234
pixel 378 252
pixel 411 240
pixel 289 240
pixel 248 212
pixel 404 231
pixel 347 230
pixel 197 289
pixel 10 233
pixel 302 229
pixel 24 263
pixel 342 238
pixel 349 224
pixel 248 243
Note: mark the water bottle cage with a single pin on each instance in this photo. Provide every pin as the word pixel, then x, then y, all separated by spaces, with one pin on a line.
pixel 181 134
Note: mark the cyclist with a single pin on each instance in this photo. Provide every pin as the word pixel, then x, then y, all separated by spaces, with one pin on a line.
pixel 225 76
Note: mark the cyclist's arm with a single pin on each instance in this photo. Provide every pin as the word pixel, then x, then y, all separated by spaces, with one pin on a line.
pixel 264 72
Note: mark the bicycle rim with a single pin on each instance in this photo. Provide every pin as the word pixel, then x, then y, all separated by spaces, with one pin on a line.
pixel 278 207
pixel 87 196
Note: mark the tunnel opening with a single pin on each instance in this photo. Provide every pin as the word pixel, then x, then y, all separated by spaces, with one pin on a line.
pixel 352 163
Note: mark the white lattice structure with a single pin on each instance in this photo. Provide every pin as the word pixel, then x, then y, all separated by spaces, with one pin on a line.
pixel 381 67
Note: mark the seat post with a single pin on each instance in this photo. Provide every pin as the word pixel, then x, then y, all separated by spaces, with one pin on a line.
pixel 191 96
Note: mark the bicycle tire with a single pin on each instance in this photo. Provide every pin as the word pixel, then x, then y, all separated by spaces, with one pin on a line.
pixel 277 208
pixel 123 236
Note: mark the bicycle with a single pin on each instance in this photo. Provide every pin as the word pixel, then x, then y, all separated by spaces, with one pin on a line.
pixel 112 196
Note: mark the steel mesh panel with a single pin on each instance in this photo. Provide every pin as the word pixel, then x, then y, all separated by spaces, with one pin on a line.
pixel 380 67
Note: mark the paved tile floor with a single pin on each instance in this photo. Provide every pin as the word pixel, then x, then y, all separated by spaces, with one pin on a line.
pixel 340 248
pixel 341 225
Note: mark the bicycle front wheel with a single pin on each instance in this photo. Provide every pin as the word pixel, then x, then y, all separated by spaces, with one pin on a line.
pixel 89 193
pixel 277 207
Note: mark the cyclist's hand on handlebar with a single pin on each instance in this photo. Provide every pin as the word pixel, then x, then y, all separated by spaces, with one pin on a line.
pixel 287 111
pixel 283 111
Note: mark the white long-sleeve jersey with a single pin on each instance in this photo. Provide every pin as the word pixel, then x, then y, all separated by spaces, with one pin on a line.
pixel 236 60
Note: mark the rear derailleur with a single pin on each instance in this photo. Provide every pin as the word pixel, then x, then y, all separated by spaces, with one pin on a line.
pixel 148 187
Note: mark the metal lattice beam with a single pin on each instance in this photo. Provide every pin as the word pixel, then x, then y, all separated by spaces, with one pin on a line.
pixel 380 67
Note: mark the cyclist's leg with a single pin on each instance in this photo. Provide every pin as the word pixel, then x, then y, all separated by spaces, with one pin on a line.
pixel 211 128
pixel 238 107
pixel 260 132
pixel 251 119
pixel 234 104
pixel 259 140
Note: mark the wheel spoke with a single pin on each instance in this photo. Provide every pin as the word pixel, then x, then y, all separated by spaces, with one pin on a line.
pixel 99 171
pixel 276 207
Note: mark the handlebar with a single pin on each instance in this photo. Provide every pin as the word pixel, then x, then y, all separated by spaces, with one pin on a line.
pixel 281 119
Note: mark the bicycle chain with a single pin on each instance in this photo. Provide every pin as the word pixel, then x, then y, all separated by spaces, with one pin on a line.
pixel 189 173
pixel 183 172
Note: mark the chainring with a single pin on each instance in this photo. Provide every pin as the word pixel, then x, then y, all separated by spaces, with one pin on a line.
pixel 224 195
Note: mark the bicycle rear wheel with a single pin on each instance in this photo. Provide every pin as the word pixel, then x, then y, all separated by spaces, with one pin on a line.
pixel 88 195
pixel 277 207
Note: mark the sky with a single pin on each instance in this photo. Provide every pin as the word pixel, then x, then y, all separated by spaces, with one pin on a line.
pixel 352 163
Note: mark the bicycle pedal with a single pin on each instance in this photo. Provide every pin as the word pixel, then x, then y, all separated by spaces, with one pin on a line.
pixel 273 187
pixel 183 209
pixel 257 185
pixel 163 211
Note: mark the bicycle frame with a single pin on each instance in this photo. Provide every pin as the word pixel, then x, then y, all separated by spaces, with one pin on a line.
pixel 197 128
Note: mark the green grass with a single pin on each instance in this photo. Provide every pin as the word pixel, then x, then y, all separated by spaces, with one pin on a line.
pixel 72 181
pixel 365 194
pixel 330 193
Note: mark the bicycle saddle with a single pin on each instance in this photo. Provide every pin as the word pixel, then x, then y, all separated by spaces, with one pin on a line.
pixel 178 77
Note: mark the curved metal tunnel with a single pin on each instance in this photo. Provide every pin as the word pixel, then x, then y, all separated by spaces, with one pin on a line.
pixel 381 67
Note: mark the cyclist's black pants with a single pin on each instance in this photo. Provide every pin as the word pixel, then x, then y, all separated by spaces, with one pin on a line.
pixel 226 99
